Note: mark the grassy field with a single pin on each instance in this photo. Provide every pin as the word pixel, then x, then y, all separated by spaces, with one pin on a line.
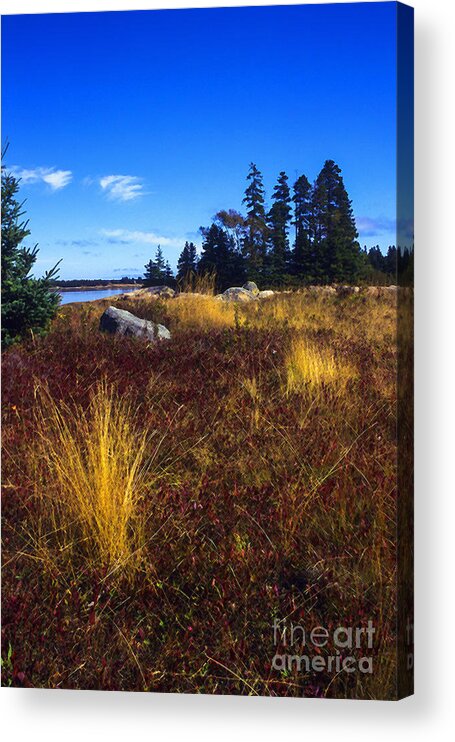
pixel 164 504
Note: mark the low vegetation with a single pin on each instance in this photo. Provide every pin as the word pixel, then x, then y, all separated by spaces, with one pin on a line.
pixel 164 504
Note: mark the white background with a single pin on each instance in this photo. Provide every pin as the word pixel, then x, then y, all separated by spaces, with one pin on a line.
pixel 48 715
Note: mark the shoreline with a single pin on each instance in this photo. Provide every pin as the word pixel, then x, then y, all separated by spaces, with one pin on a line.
pixel 98 287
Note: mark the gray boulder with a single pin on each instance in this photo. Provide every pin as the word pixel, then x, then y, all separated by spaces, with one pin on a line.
pixel 347 290
pixel 236 293
pixel 164 292
pixel 252 287
pixel 120 322
pixel 319 291
pixel 265 294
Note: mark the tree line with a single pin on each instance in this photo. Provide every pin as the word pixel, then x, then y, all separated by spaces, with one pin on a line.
pixel 307 235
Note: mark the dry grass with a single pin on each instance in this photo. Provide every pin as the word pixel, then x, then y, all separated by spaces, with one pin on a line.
pixel 310 368
pixel 201 312
pixel 197 283
pixel 361 316
pixel 273 494
pixel 94 464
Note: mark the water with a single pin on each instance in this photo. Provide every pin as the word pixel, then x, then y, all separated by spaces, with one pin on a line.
pixel 68 297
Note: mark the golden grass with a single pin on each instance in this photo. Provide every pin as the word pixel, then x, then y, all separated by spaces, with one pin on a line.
pixel 202 312
pixel 309 367
pixel 361 317
pixel 95 462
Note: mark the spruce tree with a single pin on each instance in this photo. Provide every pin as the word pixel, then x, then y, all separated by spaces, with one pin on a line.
pixel 391 261
pixel 220 256
pixel 234 223
pixel 278 218
pixel 376 258
pixel 28 304
pixel 255 240
pixel 157 272
pixel 159 260
pixel 187 262
pixel 336 250
pixel 168 274
pixel 303 258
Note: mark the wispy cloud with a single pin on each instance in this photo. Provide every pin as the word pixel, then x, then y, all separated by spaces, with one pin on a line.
pixel 56 179
pixel 372 226
pixel 127 236
pixel 76 243
pixel 122 187
pixel 127 271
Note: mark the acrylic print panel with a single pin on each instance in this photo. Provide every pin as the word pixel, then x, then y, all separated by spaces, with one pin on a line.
pixel 207 404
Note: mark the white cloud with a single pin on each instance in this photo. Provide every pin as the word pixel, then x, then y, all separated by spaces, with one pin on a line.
pixel 56 179
pixel 146 238
pixel 122 187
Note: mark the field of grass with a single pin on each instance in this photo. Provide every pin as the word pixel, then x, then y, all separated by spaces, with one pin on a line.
pixel 164 504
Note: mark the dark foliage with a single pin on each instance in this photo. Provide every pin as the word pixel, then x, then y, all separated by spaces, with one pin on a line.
pixel 28 304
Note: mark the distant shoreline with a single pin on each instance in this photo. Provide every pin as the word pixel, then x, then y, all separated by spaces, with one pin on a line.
pixel 97 287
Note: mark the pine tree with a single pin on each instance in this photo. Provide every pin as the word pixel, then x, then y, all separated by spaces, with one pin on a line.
pixel 234 223
pixel 376 258
pixel 220 256
pixel 303 258
pixel 187 262
pixel 168 274
pixel 255 240
pixel 157 272
pixel 159 260
pixel 390 261
pixel 278 218
pixel 28 304
pixel 336 250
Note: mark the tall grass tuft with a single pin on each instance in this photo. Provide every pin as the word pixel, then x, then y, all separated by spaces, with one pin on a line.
pixel 310 367
pixel 198 283
pixel 202 312
pixel 95 464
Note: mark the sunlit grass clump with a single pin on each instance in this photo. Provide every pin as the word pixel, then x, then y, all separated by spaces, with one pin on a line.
pixel 311 367
pixel 95 462
pixel 202 312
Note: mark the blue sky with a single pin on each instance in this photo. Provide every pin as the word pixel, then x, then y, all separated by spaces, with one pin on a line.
pixel 134 128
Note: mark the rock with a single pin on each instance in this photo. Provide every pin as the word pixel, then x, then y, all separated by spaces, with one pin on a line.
pixel 347 290
pixel 120 322
pixel 164 292
pixel 236 293
pixel 321 290
pixel 252 287
pixel 373 291
pixel 265 294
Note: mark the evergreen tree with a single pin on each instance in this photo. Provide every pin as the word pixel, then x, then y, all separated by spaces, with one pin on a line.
pixel 337 252
pixel 157 272
pixel 220 256
pixel 278 218
pixel 303 258
pixel 159 260
pixel 390 261
pixel 28 304
pixel 187 262
pixel 255 240
pixel 168 274
pixel 234 223
pixel 376 258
